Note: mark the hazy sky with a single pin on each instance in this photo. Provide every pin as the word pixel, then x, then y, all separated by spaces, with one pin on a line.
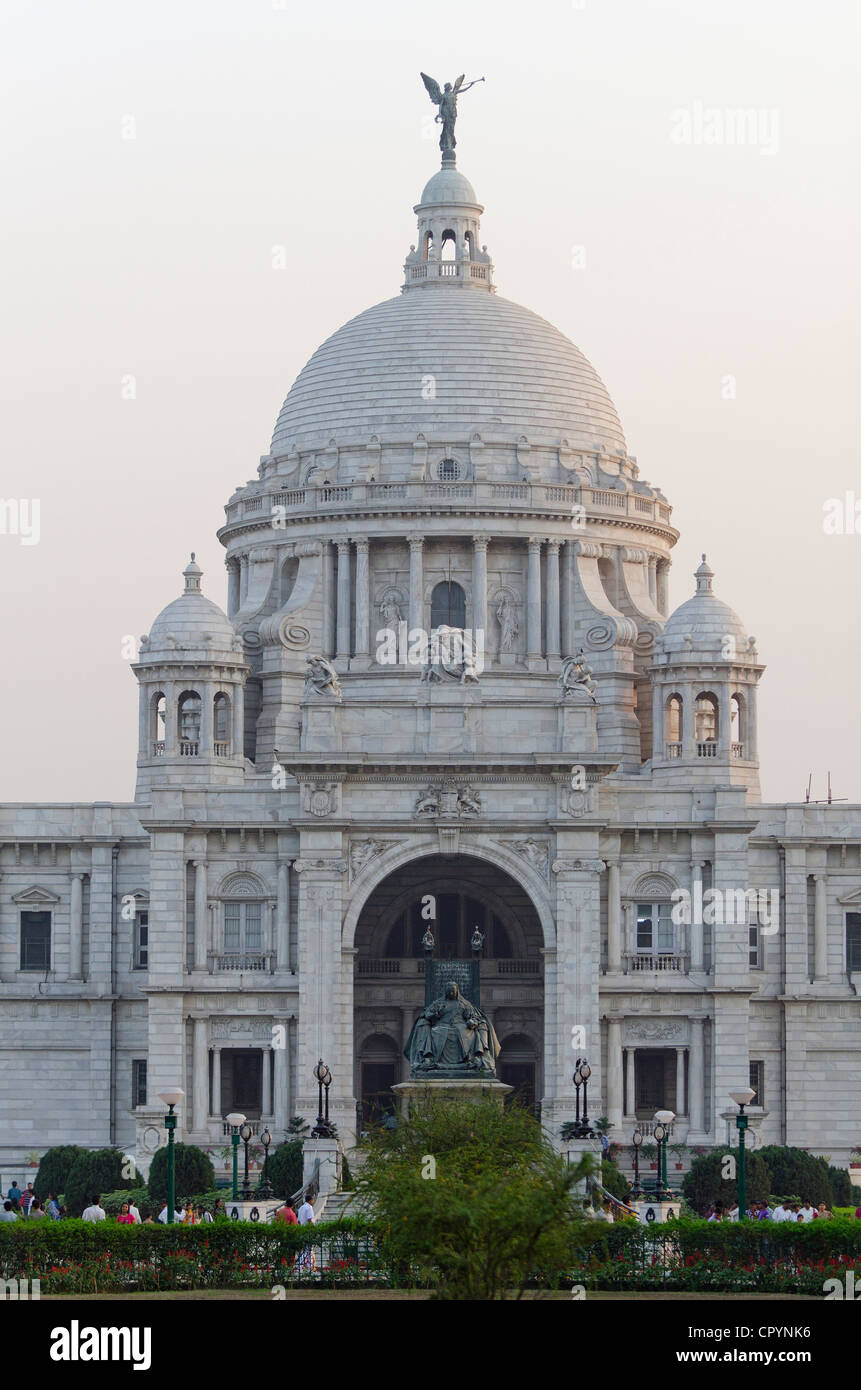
pixel 258 124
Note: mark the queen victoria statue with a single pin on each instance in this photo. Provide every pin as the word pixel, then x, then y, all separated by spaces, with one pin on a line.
pixel 452 1038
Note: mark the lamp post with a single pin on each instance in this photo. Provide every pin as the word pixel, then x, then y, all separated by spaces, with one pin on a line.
pixel 323 1077
pixel 585 1072
pixel 659 1132
pixel 742 1098
pixel 245 1134
pixel 264 1190
pixel 235 1119
pixel 171 1099
pixel 665 1119
pixel 582 1072
pixel 636 1140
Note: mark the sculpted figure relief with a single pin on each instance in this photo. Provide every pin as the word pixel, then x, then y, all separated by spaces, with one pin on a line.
pixel 508 625
pixel 452 1038
pixel 575 680
pixel 321 676
pixel 446 104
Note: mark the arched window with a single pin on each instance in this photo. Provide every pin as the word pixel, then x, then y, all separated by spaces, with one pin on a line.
pixel 448 606
pixel 738 725
pixel 428 245
pixel 448 470
pixel 221 724
pixel 189 723
pixel 289 571
pixel 468 246
pixel 673 726
pixel 157 718
pixel 706 723
pixel 449 245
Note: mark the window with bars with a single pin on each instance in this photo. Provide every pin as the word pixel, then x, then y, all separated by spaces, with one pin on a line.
pixel 757 1082
pixel 655 928
pixel 35 940
pixel 853 941
pixel 449 470
pixel 243 927
pixel 141 941
pixel 138 1082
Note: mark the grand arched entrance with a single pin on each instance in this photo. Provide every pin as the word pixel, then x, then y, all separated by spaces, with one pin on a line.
pixel 462 893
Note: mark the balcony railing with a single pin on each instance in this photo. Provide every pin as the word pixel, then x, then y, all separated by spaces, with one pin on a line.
pixel 672 750
pixel 654 962
pixel 222 750
pixel 261 961
pixel 707 749
pixel 737 750
pixel 415 965
pixel 521 497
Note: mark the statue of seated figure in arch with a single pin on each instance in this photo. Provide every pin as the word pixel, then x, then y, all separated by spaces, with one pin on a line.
pixel 452 1038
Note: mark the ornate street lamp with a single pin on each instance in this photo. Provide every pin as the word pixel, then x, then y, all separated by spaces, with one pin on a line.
pixel 235 1119
pixel 264 1190
pixel 665 1118
pixel 582 1072
pixel 585 1072
pixel 246 1133
pixel 636 1140
pixel 171 1099
pixel 660 1133
pixel 323 1077
pixel 578 1082
pixel 742 1098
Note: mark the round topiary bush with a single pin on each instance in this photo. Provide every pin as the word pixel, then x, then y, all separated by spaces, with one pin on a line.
pixel 705 1183
pixel 54 1169
pixel 193 1172
pixel 95 1171
pixel 285 1168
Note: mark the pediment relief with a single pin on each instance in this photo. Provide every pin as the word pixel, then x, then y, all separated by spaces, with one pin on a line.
pixel 35 897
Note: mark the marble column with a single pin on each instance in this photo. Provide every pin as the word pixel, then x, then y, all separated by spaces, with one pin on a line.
pixel 479 592
pixel 553 631
pixel 416 583
pixel 363 601
pixel 614 1072
pixel 76 928
pixel 238 707
pixel 328 633
pixel 614 919
pixel 661 574
pixel 144 697
pixel 244 569
pixel 696 927
pixel 568 614
pixel 201 943
pixel 724 726
pixel 200 1075
pixel 658 730
pixel 630 1081
pixel 533 601
pixel 820 929
pixel 343 652
pixel 206 746
pixel 172 692
pixel 267 1082
pixel 282 918
pixel 696 1078
pixel 689 744
pixel 680 1082
pixel 280 1061
pixel 215 1108
pixel 232 587
pixel 751 749
pixel 653 567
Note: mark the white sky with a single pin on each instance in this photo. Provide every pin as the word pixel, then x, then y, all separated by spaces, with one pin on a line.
pixel 307 126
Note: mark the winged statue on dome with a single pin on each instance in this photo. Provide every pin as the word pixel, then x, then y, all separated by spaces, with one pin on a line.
pixel 446 104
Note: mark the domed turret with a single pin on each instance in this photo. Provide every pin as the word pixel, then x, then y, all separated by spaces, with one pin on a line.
pixel 191 672
pixel 704 682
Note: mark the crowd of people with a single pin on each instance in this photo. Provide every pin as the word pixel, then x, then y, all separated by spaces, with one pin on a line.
pixel 26 1206
pixel 786 1210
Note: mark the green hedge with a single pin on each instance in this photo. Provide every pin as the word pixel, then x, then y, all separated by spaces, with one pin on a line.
pixel 70 1257
pixel 193 1172
pixel 54 1169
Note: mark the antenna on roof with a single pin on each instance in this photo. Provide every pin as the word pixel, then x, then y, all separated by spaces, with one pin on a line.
pixel 826 801
pixel 807 793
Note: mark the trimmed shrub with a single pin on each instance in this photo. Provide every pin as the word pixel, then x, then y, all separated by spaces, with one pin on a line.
pixel 841 1187
pixel 285 1168
pixel 112 1201
pixel 54 1169
pixel 794 1171
pixel 193 1172
pixel 99 1170
pixel 613 1180
pixel 703 1184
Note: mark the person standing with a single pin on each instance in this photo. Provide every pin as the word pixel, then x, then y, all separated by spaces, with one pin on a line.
pixel 134 1213
pixel 37 1211
pixel 95 1211
pixel 53 1207
pixel 27 1199
pixel 808 1211
pixel 14 1194
pixel 125 1217
pixel 287 1215
pixel 306 1211
pixel 8 1213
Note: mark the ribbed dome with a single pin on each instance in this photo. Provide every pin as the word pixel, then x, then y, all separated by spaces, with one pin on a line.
pixel 191 623
pixel 705 619
pixel 496 366
pixel 449 186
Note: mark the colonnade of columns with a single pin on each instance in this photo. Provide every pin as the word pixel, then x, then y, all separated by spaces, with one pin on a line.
pixel 723 691
pixel 149 735
pixel 207 1073
pixel 690 1098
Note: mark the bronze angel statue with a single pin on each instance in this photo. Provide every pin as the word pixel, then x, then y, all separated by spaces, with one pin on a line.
pixel 446 103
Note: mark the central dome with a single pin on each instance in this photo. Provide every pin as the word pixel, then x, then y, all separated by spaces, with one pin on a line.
pixel 496 368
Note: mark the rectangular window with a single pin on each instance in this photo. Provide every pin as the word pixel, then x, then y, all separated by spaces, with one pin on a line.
pixel 35 940
pixel 231 926
pixel 243 928
pixel 655 931
pixel 754 946
pixel 138 1082
pixel 141 941
pixel 853 941
pixel 253 927
pixel 757 1082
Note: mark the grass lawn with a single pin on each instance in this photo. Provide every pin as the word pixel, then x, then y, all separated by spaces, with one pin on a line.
pixel 370 1295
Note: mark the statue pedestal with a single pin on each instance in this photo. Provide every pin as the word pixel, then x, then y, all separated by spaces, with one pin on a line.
pixel 655 1213
pixel 431 1088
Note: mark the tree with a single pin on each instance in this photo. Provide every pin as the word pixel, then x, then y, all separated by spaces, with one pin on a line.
pixel 193 1172
pixel 797 1173
pixel 474 1196
pixel 706 1183
pixel 841 1187
pixel 615 1181
pixel 95 1171
pixel 54 1169
pixel 285 1168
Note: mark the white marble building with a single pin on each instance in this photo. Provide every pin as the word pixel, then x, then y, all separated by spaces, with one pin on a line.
pixel 446 457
